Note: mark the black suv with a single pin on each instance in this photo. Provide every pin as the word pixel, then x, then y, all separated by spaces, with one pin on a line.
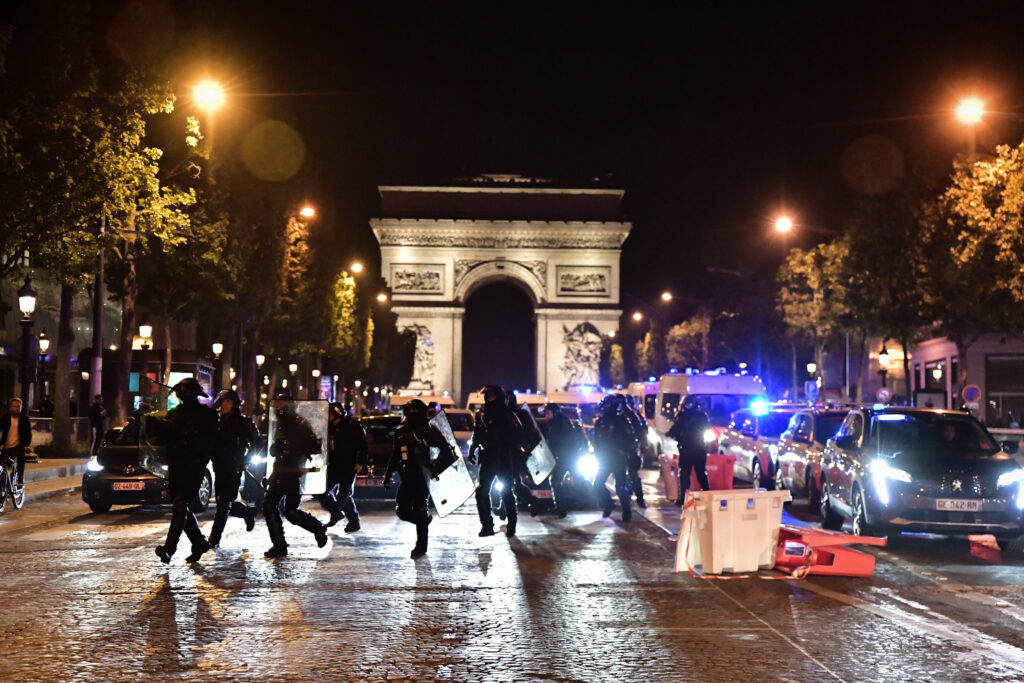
pixel 907 469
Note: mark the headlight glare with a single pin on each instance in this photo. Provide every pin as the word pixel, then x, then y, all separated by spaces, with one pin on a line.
pixel 1011 477
pixel 587 466
pixel 94 465
pixel 710 436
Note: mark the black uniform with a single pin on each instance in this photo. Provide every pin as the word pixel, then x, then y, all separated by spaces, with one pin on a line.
pixel 566 441
pixel 638 427
pixel 294 443
pixel 613 444
pixel 236 436
pixel 496 435
pixel 688 431
pixel 529 438
pixel 190 431
pixel 348 449
pixel 410 458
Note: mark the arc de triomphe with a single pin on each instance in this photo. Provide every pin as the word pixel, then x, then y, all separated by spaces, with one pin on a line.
pixel 560 246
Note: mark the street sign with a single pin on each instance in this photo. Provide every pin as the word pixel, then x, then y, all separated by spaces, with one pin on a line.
pixel 971 393
pixel 811 389
pixel 884 395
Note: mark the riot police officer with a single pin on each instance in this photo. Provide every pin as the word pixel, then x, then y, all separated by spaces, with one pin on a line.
pixel 688 430
pixel 529 438
pixel 349 454
pixel 613 444
pixel 236 436
pixel 567 442
pixel 638 428
pixel 294 443
pixel 410 457
pixel 496 443
pixel 189 431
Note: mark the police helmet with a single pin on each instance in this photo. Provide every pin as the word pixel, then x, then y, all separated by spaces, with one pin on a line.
pixel 284 403
pixel 689 401
pixel 608 405
pixel 189 388
pixel 229 395
pixel 493 394
pixel 414 410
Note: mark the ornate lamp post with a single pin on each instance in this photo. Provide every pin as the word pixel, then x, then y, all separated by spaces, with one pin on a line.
pixel 27 304
pixel 217 349
pixel 44 346
pixel 883 363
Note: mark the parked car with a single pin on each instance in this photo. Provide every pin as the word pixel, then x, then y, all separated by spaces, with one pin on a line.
pixel 115 477
pixel 753 437
pixel 913 469
pixel 800 449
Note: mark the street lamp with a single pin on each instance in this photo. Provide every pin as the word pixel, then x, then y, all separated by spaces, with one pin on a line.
pixel 27 304
pixel 315 372
pixel 937 373
pixel 217 349
pixel 44 346
pixel 293 368
pixel 146 332
pixel 307 211
pixel 783 224
pixel 883 363
pixel 970 111
pixel 356 267
pixel 638 316
pixel 812 368
pixel 666 296
pixel 382 297
pixel 208 94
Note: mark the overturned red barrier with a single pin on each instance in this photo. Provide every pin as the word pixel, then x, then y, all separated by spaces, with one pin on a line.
pixel 804 551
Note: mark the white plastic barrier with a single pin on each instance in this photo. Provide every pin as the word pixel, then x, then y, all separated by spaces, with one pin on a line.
pixel 730 531
pixel 669 476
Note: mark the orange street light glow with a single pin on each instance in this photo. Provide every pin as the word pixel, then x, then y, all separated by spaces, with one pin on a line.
pixel 382 297
pixel 357 267
pixel 638 316
pixel 783 224
pixel 970 111
pixel 307 212
pixel 209 95
pixel 666 296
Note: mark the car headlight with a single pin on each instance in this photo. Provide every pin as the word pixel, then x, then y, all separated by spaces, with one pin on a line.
pixel 587 466
pixel 1011 477
pixel 94 465
pixel 257 459
pixel 710 436
pixel 881 472
pixel 498 485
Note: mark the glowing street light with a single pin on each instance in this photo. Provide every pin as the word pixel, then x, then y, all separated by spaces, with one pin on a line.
pixel 44 342
pixel 209 95
pixel 315 373
pixel 357 267
pixel 260 360
pixel 970 110
pixel 812 368
pixel 217 349
pixel 666 296
pixel 382 297
pixel 783 224
pixel 293 368
pixel 638 316
pixel 307 211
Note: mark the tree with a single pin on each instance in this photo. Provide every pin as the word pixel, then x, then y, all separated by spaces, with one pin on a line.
pixel 811 294
pixel 688 343
pixel 616 366
pixel 351 335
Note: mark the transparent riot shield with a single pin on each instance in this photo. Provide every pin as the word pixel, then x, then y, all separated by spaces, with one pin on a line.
pixel 152 443
pixel 540 462
pixel 454 485
pixel 300 426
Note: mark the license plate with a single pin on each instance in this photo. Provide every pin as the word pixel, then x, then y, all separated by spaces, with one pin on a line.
pixel 957 505
pixel 128 485
pixel 541 493
pixel 369 481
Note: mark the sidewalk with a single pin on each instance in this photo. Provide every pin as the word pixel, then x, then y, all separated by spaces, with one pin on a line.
pixel 53 477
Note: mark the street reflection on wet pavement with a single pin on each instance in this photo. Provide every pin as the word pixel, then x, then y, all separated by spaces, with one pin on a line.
pixel 579 599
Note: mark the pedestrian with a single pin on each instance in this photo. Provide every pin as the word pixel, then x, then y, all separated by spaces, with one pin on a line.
pixel 45 407
pixel 294 443
pixel 348 455
pixel 496 442
pixel 567 442
pixel 236 436
pixel 638 429
pixel 689 431
pixel 189 432
pixel 529 438
pixel 410 458
pixel 613 444
pixel 16 436
pixel 97 422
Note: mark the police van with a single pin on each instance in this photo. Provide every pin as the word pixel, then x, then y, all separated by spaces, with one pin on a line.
pixel 400 399
pixel 718 394
pixel 534 401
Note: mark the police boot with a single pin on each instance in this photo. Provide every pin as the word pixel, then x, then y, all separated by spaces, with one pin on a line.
pixel 421 541
pixel 198 550
pixel 353 525
pixel 162 553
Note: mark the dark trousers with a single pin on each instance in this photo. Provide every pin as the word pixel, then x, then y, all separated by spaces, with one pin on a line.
pixel 557 480
pixel 227 479
pixel 97 437
pixel 341 503
pixel 411 505
pixel 489 471
pixel 18 453
pixel 286 486
pixel 183 485
pixel 692 462
pixel 635 464
pixel 623 486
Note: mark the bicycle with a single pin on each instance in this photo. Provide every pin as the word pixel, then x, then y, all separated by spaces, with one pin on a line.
pixel 8 475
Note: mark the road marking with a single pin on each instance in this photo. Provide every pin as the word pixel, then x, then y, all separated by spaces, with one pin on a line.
pixel 936 625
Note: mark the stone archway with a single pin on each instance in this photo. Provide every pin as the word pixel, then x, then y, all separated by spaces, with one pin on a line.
pixel 561 246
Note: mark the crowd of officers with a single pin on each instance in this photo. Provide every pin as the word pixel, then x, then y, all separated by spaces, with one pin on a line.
pixel 504 436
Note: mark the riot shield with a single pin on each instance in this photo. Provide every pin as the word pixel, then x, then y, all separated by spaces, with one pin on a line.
pixel 454 485
pixel 540 462
pixel 311 424
pixel 152 444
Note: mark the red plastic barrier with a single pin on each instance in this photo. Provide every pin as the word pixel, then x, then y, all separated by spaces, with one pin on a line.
pixel 804 551
pixel 720 469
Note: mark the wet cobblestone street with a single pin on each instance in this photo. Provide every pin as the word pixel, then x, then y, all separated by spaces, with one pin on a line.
pixel 580 599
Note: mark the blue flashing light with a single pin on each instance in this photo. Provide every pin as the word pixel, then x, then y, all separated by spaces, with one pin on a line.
pixel 652 378
pixel 675 371
pixel 713 373
pixel 759 406
pixel 892 417
pixel 878 406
